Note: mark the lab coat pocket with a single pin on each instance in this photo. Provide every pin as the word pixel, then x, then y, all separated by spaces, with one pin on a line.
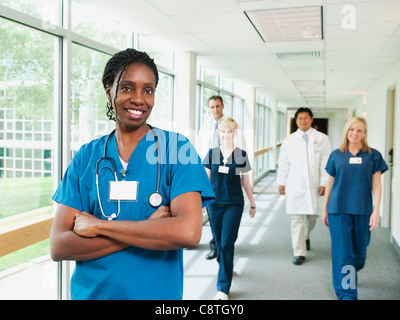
pixel 317 146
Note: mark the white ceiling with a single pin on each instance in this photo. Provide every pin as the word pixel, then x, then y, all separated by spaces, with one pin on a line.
pixel 223 38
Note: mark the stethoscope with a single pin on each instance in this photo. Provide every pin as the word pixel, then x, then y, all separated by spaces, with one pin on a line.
pixel 155 198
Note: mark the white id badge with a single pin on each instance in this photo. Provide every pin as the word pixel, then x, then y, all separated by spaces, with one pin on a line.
pixel 355 160
pixel 223 169
pixel 123 190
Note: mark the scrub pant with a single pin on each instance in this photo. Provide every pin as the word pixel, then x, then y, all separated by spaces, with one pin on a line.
pixel 225 223
pixel 301 226
pixel 350 237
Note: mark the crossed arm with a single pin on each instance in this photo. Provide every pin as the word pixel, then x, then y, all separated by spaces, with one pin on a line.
pixel 81 236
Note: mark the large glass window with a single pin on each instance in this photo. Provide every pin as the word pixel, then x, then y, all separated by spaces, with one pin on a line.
pixel 262 136
pixel 162 114
pixel 88 97
pixel 161 55
pixel 28 93
pixel 46 10
pixel 26 118
pixel 98 27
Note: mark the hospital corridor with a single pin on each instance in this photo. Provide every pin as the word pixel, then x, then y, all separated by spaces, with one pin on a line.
pixel 122 122
pixel 263 267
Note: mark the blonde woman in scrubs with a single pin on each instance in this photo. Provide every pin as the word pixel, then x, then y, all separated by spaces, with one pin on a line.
pixel 227 167
pixel 354 176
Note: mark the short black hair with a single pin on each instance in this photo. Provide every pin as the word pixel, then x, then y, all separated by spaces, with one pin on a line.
pixel 303 109
pixel 216 98
pixel 118 63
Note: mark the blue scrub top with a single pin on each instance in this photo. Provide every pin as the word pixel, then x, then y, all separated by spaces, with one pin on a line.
pixel 133 273
pixel 227 187
pixel 352 189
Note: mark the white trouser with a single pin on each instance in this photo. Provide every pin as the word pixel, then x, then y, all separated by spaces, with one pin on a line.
pixel 301 226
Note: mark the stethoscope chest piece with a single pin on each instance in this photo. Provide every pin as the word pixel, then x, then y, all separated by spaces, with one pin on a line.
pixel 155 199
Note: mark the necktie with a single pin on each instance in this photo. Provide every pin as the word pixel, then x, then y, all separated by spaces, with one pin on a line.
pixel 214 139
pixel 306 140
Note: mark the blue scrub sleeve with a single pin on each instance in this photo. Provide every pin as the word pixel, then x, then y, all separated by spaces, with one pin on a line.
pixel 330 165
pixel 379 164
pixel 207 160
pixel 191 176
pixel 68 191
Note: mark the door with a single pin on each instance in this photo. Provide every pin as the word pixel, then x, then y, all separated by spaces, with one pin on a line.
pixel 388 156
pixel 320 124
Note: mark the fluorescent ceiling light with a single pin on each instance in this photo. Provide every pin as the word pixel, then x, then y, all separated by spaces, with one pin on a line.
pixel 291 24
pixel 309 83
pixel 313 93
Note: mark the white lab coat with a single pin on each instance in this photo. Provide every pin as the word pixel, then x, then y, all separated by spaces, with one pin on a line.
pixel 203 138
pixel 301 185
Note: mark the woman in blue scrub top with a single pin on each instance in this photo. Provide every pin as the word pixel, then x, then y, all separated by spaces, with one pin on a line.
pixel 227 168
pixel 354 176
pixel 137 252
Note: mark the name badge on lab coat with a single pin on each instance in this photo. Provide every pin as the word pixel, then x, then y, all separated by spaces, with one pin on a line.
pixel 223 169
pixel 355 160
pixel 123 190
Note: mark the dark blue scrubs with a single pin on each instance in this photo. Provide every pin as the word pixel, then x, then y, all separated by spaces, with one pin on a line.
pixel 349 210
pixel 133 273
pixel 227 209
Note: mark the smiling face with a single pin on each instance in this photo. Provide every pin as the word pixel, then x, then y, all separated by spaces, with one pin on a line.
pixel 227 134
pixel 356 133
pixel 135 97
pixel 304 121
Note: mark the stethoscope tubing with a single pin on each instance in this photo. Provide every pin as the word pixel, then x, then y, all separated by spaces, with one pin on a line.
pixel 155 198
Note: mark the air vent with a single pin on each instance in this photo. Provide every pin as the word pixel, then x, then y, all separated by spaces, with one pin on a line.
pixel 308 55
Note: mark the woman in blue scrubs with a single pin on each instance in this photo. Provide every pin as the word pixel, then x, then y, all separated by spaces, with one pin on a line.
pixel 354 176
pixel 227 168
pixel 130 248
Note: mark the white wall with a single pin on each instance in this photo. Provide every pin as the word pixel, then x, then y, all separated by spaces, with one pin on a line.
pixel 375 111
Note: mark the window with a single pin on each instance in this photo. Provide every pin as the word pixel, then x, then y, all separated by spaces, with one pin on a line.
pixel 46 10
pixel 88 97
pixel 97 27
pixel 162 113
pixel 27 102
pixel 262 136
pixel 162 56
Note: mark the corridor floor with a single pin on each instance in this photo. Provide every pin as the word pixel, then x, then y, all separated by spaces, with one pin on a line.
pixel 263 266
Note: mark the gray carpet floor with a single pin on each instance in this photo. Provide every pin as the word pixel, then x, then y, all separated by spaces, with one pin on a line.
pixel 263 268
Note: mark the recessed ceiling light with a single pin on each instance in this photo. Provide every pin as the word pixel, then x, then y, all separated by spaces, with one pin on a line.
pixel 290 24
pixel 309 83
pixel 313 93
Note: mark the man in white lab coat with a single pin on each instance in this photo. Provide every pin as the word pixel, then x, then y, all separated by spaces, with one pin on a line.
pixel 302 177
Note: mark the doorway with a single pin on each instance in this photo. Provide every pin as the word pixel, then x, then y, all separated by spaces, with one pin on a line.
pixel 388 156
pixel 320 124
